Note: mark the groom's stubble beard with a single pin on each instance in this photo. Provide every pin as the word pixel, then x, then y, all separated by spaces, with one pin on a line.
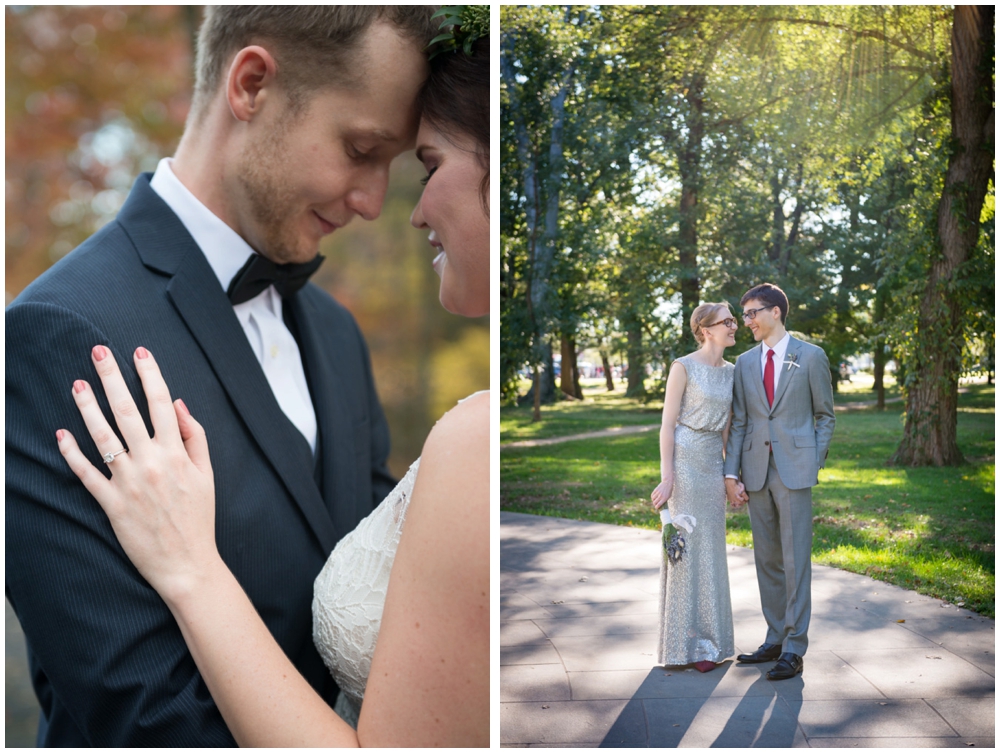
pixel 270 198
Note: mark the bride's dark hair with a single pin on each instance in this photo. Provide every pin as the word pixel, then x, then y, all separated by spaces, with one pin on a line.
pixel 455 99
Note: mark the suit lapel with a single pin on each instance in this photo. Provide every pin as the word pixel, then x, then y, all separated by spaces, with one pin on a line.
pixel 756 377
pixel 319 349
pixel 791 353
pixel 164 244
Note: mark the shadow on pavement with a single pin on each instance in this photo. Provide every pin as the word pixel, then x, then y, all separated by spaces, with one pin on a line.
pixel 661 715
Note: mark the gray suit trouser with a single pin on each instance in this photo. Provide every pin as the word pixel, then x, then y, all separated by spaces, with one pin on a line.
pixel 781 521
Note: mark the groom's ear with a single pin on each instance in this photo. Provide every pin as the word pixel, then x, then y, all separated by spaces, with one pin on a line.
pixel 251 76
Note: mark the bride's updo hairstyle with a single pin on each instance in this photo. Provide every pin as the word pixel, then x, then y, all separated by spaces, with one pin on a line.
pixel 705 314
pixel 455 100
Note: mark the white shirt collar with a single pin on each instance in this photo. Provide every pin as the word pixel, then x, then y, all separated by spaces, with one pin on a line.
pixel 225 250
pixel 780 348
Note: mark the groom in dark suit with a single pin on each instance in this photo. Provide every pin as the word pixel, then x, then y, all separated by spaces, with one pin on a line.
pixel 298 112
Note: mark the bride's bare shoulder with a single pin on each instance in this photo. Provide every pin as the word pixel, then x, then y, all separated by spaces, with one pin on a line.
pixel 431 665
pixel 457 451
pixel 468 420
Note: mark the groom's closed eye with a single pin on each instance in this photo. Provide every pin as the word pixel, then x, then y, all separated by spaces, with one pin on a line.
pixel 358 154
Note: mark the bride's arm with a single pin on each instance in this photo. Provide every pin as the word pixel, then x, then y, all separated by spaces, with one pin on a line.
pixel 676 382
pixel 160 501
pixel 430 674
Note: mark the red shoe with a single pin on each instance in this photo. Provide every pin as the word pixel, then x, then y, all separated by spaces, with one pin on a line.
pixel 705 666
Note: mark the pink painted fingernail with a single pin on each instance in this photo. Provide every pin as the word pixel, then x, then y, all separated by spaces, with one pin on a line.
pixel 100 352
pixel 141 352
pixel 79 386
pixel 59 435
pixel 183 407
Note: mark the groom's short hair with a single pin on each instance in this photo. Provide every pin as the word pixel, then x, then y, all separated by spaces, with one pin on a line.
pixel 768 294
pixel 315 46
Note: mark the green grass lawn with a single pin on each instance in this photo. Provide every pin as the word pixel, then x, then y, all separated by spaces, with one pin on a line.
pixel 927 529
pixel 601 409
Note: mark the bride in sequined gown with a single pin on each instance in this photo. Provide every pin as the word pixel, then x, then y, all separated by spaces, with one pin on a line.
pixel 696 620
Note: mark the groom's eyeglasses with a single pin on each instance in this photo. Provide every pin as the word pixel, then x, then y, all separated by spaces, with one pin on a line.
pixel 752 313
pixel 730 322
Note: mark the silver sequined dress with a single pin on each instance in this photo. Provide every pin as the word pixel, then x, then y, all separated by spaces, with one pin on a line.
pixel 696 615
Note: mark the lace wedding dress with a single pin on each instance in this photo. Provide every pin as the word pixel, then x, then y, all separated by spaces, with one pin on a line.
pixel 349 594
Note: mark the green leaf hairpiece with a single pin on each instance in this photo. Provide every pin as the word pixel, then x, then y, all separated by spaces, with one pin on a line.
pixel 461 26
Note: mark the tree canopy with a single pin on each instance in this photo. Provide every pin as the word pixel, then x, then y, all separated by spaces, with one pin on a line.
pixel 656 157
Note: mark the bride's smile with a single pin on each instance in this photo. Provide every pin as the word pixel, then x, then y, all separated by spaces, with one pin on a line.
pixel 454 208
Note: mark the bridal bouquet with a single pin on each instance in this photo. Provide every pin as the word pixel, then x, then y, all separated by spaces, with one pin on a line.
pixel 674 544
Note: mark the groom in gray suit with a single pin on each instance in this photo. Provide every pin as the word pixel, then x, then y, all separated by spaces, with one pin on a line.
pixel 781 430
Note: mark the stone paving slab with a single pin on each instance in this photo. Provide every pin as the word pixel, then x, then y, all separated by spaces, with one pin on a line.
pixel 580 600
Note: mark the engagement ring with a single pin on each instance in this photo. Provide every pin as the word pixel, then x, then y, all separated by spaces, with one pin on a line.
pixel 109 456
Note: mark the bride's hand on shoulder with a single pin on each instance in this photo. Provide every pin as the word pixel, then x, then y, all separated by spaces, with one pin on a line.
pixel 160 498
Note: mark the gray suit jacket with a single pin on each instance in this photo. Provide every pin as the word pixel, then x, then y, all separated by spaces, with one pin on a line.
pixel 797 428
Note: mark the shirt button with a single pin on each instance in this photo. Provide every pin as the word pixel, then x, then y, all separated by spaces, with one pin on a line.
pixel 274 351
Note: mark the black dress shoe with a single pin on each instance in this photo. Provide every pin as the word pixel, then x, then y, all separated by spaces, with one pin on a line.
pixel 787 667
pixel 766 652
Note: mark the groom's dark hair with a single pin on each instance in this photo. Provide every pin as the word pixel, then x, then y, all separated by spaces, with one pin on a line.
pixel 314 45
pixel 768 294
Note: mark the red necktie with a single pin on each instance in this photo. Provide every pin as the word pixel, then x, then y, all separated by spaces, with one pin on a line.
pixel 769 378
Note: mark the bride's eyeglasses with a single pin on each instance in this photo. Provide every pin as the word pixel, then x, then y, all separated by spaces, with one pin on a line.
pixel 730 322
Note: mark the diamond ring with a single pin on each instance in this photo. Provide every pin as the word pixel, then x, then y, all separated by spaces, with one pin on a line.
pixel 109 456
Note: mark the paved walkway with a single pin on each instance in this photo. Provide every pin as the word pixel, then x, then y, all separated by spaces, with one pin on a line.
pixel 578 627
pixel 614 431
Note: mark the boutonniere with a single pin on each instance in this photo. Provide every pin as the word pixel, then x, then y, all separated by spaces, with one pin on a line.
pixel 791 361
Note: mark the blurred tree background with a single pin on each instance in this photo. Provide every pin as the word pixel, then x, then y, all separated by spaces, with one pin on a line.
pixel 96 95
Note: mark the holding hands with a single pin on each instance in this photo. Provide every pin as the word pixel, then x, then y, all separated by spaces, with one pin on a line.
pixel 736 492
pixel 161 495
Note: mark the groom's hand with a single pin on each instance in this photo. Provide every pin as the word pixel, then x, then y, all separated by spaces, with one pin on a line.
pixel 735 492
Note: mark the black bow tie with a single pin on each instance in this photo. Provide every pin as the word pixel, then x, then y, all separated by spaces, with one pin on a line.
pixel 260 272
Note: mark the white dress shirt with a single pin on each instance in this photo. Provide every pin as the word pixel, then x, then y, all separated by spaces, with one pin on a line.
pixel 780 348
pixel 261 319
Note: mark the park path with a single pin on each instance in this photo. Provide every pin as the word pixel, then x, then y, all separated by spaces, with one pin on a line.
pixel 579 604
pixel 617 431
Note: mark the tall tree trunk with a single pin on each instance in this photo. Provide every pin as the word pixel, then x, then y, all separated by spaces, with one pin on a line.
pixel 793 234
pixel 606 365
pixel 577 389
pixel 536 394
pixel 542 228
pixel 568 366
pixel 636 359
pixel 689 164
pixel 878 349
pixel 929 437
pixel 777 218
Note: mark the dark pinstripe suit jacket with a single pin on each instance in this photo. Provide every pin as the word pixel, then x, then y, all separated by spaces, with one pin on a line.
pixel 108 663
